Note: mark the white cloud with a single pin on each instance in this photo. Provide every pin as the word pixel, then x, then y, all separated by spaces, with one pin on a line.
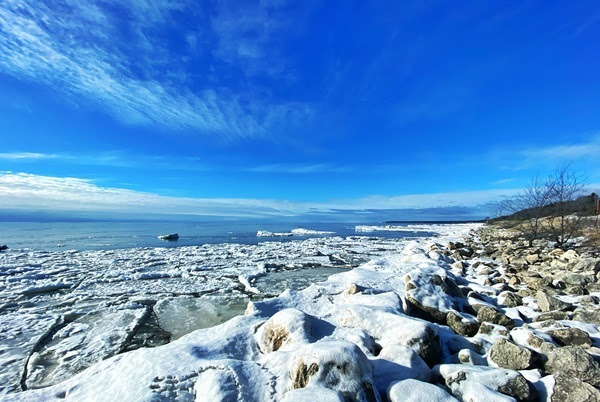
pixel 588 149
pixel 28 192
pixel 306 168
pixel 77 49
pixel 26 155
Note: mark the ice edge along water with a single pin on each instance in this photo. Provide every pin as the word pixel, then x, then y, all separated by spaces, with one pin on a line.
pixel 347 337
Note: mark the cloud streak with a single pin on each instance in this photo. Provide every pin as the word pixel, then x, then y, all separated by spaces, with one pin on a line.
pixel 79 49
pixel 28 192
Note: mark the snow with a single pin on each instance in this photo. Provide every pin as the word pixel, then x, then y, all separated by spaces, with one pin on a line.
pixel 347 337
pixel 294 232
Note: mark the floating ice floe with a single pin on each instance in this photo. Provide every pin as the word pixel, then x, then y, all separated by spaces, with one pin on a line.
pixel 293 232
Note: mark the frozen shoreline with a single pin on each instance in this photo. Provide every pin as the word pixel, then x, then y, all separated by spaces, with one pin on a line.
pixel 357 336
pixel 63 311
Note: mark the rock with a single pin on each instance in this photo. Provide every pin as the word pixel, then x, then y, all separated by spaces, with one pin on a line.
pixel 393 329
pixel 537 282
pixel 574 361
pixel 550 303
pixel 3 247
pixel 490 314
pixel 587 264
pixel 462 324
pixel 314 394
pixel 510 299
pixel 284 328
pixel 568 388
pixel 592 317
pixel 480 383
pixel 340 366
pixel 578 279
pixel 169 237
pixel 417 391
pixel 467 356
pixel 551 315
pixel 507 355
pixel 430 296
pixel 354 289
pixel 571 336
pixel 532 258
pixel 396 363
pixel 455 245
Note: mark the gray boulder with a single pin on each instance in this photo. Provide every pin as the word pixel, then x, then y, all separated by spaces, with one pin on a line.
pixel 462 324
pixel 574 361
pixel 571 336
pixel 568 388
pixel 507 355
pixel 589 316
pixel 550 303
pixel 510 299
pixel 490 314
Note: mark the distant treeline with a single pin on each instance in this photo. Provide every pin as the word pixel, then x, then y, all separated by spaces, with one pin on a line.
pixel 581 206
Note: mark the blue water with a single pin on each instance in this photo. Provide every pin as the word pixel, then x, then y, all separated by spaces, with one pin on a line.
pixel 52 236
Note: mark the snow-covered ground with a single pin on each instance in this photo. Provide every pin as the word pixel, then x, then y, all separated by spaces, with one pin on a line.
pixel 354 336
pixel 61 312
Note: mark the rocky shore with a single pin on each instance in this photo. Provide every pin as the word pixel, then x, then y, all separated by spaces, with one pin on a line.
pixel 471 316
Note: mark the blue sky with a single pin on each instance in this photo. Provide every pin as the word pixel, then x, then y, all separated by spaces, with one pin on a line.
pixel 292 106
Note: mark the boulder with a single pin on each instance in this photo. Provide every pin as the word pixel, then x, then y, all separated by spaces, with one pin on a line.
pixel 468 356
pixel 395 329
pixel 567 388
pixel 396 363
pixel 490 314
pixel 551 315
pixel 417 391
pixel 3 247
pixel 430 296
pixel 550 303
pixel 510 299
pixel 462 323
pixel 339 366
pixel 480 383
pixel 589 316
pixel 507 355
pixel 571 336
pixel 286 327
pixel 312 394
pixel 574 361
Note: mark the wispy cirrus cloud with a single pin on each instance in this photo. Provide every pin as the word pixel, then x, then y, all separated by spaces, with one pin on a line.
pixel 586 149
pixel 301 168
pixel 26 156
pixel 114 55
pixel 28 192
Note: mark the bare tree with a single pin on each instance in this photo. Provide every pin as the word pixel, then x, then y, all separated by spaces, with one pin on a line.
pixel 564 187
pixel 531 204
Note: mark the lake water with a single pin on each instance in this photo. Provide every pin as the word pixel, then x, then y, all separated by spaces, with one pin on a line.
pixel 56 236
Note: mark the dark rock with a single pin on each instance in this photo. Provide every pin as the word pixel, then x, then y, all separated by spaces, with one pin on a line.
pixel 490 314
pixel 511 299
pixel 462 324
pixel 169 237
pixel 574 361
pixel 552 315
pixel 571 336
pixel 3 247
pixel 506 354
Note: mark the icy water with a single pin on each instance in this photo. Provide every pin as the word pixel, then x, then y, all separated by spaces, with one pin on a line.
pixel 72 294
pixel 56 236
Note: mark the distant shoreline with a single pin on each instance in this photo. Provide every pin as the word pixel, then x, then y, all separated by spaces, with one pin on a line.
pixel 437 222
